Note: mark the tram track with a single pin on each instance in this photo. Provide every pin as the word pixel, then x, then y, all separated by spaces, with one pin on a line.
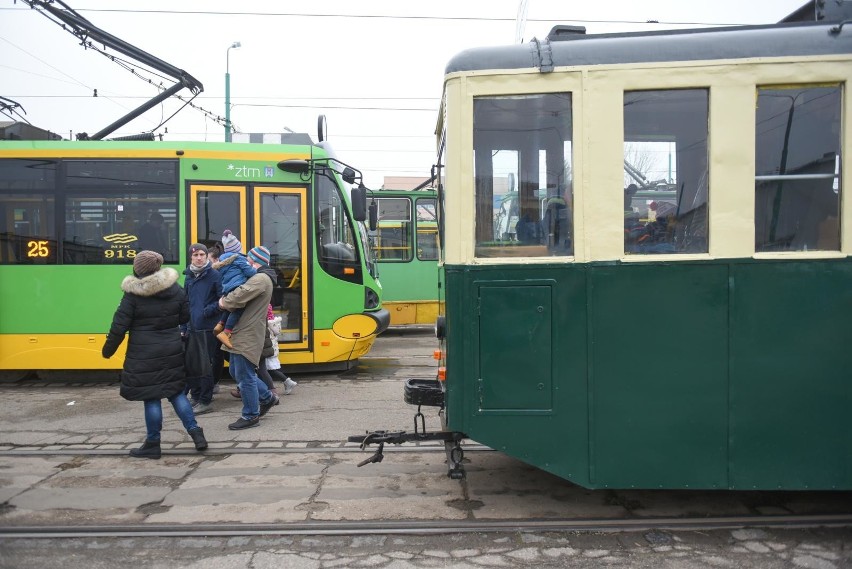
pixel 188 449
pixel 424 528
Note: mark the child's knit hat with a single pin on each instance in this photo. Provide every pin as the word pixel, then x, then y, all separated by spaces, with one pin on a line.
pixel 230 242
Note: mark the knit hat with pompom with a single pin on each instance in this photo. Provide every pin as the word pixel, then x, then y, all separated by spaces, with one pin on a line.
pixel 230 242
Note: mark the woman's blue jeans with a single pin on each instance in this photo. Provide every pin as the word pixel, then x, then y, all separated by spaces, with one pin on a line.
pixel 154 415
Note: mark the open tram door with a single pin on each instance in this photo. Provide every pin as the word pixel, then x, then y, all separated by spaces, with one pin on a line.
pixel 272 216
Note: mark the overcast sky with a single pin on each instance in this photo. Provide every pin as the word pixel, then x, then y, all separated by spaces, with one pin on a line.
pixel 374 68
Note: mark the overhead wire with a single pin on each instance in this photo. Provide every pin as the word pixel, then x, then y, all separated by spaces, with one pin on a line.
pixel 394 17
pixel 220 120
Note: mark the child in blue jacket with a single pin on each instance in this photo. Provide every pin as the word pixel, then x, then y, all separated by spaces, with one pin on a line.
pixel 235 271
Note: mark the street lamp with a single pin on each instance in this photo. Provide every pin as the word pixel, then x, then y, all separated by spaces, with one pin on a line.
pixel 228 91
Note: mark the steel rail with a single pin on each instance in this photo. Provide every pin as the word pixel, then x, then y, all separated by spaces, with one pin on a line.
pixel 189 450
pixel 431 527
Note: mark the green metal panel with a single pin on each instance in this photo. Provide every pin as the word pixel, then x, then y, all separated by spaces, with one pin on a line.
pixel 410 280
pixel 454 346
pixel 791 362
pixel 515 318
pixel 719 374
pixel 554 439
pixel 658 375
pixel 37 299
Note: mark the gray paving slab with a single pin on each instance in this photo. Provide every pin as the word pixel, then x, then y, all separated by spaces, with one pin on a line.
pixel 290 472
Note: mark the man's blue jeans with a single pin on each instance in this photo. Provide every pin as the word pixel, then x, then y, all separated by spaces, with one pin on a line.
pixel 252 389
pixel 154 415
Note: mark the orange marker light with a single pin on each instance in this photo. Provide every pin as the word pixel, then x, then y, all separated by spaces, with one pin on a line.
pixel 325 343
pixel 437 355
pixel 442 373
pixel 348 271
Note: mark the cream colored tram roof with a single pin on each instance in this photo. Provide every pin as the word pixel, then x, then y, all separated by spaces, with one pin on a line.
pixel 733 233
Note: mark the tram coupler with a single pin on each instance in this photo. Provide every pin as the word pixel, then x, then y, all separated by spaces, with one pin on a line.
pixel 455 456
pixel 452 446
pixel 421 427
pixel 377 457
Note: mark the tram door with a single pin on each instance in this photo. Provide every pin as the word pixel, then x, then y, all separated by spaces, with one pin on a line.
pixel 263 215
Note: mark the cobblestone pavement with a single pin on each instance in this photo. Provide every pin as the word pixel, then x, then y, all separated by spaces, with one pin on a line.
pixel 744 548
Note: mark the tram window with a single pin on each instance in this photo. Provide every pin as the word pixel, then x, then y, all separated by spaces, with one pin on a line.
pixel 797 177
pixel 280 232
pixel 28 234
pixel 439 182
pixel 426 209
pixel 335 238
pixel 393 233
pixel 427 242
pixel 27 175
pixel 665 209
pixel 522 162
pixel 281 226
pixel 111 227
pixel 216 212
pixel 427 229
pixel 139 174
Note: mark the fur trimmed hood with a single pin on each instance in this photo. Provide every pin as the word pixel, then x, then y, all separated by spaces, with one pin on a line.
pixel 150 285
pixel 225 260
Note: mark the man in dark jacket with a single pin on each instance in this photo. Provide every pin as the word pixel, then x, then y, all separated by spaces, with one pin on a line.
pixel 203 286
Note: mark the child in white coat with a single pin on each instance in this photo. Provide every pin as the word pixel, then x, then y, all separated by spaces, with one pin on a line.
pixel 273 364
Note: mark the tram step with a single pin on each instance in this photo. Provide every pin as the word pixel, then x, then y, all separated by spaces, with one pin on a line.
pixel 424 391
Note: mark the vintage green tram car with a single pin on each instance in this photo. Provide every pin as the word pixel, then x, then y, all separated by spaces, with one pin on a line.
pixel 697 337
pixel 705 346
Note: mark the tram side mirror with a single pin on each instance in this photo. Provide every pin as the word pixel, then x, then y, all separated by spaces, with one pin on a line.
pixel 295 166
pixel 359 203
pixel 373 215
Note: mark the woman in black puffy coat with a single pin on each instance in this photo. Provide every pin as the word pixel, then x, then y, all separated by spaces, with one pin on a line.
pixel 151 310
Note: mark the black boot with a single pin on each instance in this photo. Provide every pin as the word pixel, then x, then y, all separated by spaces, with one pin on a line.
pixel 197 435
pixel 150 449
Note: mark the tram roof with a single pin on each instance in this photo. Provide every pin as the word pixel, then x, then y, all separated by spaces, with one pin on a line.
pixel 776 40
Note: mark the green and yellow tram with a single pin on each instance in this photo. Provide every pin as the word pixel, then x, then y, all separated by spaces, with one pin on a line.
pixel 406 248
pixel 692 333
pixel 74 214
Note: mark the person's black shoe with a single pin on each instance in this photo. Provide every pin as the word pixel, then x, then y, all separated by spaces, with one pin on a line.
pixel 272 402
pixel 197 435
pixel 150 449
pixel 243 423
